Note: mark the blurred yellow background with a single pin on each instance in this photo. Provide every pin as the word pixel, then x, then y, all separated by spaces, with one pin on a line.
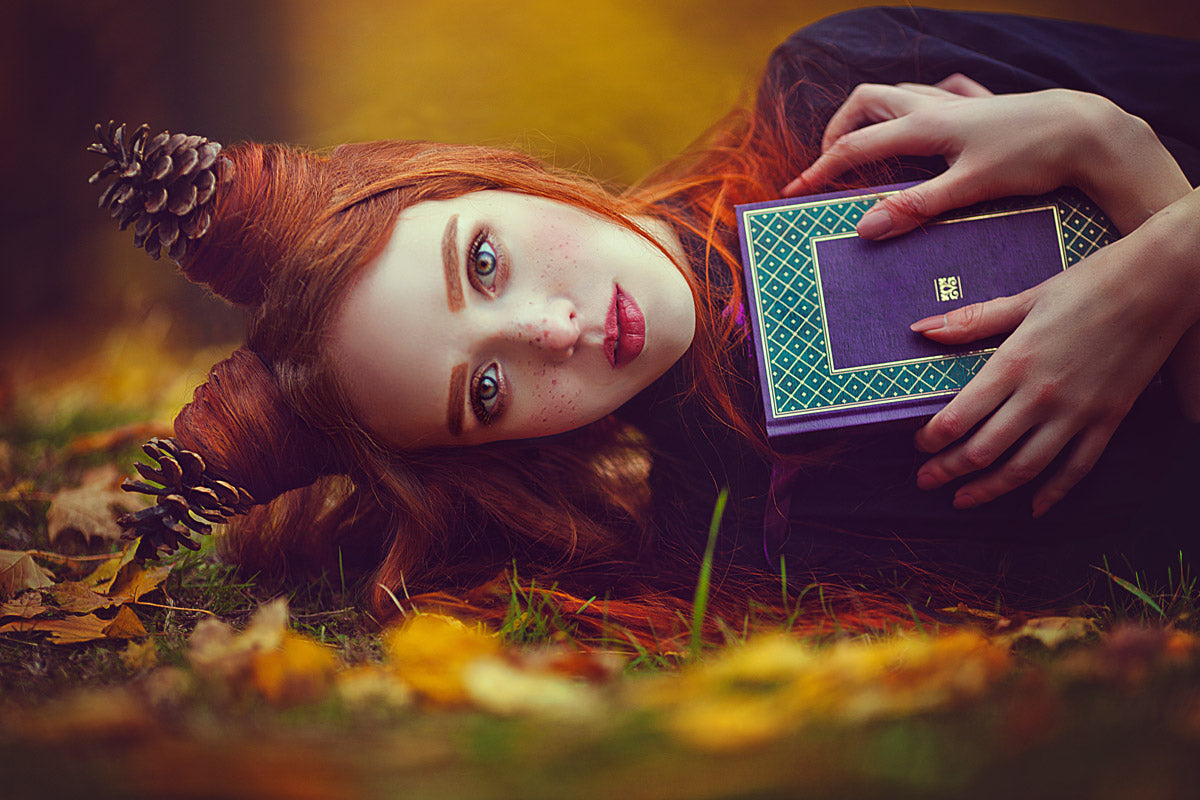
pixel 610 87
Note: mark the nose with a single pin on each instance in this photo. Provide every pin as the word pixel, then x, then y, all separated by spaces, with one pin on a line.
pixel 549 326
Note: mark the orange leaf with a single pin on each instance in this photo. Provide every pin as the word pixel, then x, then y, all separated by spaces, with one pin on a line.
pixel 71 630
pixel 125 625
pixel 18 572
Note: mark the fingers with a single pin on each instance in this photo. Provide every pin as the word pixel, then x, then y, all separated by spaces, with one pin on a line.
pixel 978 320
pixel 963 86
pixel 873 143
pixel 901 212
pixel 980 397
pixel 1028 461
pixel 869 103
pixel 1087 452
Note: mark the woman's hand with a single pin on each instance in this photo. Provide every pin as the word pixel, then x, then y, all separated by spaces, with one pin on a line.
pixel 995 146
pixel 1085 343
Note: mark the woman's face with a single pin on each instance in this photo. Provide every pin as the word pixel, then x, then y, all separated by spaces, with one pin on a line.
pixel 498 315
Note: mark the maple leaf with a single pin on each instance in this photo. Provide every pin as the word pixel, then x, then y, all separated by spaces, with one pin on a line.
pixel 133 580
pixel 88 508
pixel 71 630
pixel 125 625
pixel 19 572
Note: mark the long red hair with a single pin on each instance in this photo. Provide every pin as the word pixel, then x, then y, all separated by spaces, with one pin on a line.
pixel 290 238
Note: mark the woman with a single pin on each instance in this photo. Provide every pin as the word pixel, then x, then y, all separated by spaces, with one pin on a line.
pixel 458 357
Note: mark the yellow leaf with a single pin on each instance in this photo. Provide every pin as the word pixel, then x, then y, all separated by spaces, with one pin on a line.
pixel 140 655
pixel 19 572
pixel 88 508
pixel 369 686
pixel 431 650
pixel 102 576
pixel 299 670
pixel 125 625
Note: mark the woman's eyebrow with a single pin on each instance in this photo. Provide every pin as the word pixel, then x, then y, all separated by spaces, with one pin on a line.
pixel 454 407
pixel 454 292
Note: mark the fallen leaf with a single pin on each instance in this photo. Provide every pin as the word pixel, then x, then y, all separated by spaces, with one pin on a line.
pixel 370 687
pixel 298 670
pixel 70 630
pixel 88 508
pixel 78 598
pixel 116 438
pixel 102 577
pixel 502 688
pixel 19 572
pixel 133 581
pixel 1052 631
pixel 125 625
pixel 27 604
pixel 430 651
pixel 138 656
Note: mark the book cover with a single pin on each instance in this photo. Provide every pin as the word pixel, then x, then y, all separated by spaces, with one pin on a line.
pixel 829 312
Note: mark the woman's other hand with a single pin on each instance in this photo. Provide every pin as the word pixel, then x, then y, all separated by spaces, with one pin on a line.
pixel 995 146
pixel 1085 343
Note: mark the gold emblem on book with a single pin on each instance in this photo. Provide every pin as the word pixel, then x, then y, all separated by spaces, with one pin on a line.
pixel 948 288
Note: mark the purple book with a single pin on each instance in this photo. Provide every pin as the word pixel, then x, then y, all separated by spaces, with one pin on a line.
pixel 829 312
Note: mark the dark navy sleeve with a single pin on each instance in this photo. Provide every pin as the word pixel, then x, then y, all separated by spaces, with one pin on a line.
pixel 1155 77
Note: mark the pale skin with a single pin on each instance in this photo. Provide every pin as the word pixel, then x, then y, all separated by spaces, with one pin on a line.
pixel 1085 343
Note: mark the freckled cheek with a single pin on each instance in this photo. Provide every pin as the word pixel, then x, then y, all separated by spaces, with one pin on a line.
pixel 556 402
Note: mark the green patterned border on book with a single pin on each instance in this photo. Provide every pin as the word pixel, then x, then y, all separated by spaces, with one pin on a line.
pixel 792 335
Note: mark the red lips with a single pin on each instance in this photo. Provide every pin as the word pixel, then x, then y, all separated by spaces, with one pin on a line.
pixel 624 330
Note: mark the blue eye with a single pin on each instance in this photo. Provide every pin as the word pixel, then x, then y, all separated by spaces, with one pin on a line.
pixel 487 394
pixel 482 264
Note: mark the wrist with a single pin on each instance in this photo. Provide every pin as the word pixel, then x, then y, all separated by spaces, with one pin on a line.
pixel 1120 163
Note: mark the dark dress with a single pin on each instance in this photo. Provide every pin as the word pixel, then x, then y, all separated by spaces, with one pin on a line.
pixel 859 511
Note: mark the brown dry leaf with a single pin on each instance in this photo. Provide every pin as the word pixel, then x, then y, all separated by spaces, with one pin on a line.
pixel 116 438
pixel 125 625
pixel 88 508
pixel 71 630
pixel 19 572
pixel 78 598
pixel 133 581
pixel 27 604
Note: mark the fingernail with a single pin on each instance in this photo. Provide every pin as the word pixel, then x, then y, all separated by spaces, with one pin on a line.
pixel 1042 505
pixel 926 480
pixel 928 324
pixel 963 501
pixel 875 223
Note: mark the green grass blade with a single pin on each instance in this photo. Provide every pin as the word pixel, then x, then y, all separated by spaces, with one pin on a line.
pixel 700 601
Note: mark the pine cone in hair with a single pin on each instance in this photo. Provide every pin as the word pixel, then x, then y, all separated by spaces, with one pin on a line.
pixel 186 494
pixel 164 185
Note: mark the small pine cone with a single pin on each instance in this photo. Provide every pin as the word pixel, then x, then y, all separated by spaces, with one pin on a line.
pixel 165 186
pixel 187 494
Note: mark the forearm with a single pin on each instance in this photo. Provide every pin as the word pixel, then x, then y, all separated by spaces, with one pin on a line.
pixel 1177 228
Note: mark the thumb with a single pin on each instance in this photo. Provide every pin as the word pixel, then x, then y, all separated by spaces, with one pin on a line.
pixel 978 320
pixel 901 212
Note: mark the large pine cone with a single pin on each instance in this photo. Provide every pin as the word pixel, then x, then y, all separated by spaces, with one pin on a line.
pixel 185 492
pixel 166 185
